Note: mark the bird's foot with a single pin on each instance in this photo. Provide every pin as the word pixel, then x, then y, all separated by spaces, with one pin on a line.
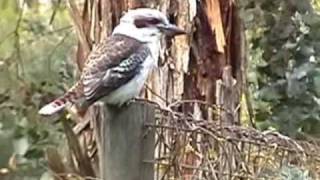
pixel 137 99
pixel 133 100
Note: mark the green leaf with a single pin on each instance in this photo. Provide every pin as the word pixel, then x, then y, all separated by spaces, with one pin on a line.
pixel 316 83
pixel 270 94
pixel 21 146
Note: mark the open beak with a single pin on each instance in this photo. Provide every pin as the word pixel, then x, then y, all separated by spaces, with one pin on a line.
pixel 171 30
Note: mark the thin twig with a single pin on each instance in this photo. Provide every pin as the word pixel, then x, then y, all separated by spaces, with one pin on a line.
pixel 155 94
pixel 6 37
pixel 54 12
pixel 55 49
pixel 17 42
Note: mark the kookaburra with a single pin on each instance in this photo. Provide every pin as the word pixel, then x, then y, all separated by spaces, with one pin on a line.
pixel 117 68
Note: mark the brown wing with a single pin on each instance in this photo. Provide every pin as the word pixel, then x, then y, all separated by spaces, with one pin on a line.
pixel 111 64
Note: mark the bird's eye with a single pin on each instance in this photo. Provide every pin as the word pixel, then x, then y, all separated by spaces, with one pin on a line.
pixel 154 21
pixel 146 22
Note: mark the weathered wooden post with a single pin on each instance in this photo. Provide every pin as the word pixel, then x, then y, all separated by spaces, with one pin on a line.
pixel 229 116
pixel 124 143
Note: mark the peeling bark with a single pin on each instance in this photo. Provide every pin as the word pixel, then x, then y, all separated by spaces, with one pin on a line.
pixel 189 66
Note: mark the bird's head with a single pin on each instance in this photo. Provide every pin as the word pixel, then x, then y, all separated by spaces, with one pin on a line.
pixel 146 25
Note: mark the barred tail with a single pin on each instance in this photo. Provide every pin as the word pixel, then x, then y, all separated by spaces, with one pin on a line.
pixel 57 105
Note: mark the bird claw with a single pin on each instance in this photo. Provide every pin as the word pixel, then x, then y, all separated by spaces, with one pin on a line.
pixel 138 100
pixel 133 100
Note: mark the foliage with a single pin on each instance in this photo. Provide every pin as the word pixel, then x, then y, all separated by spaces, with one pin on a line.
pixel 284 72
pixel 293 173
pixel 34 49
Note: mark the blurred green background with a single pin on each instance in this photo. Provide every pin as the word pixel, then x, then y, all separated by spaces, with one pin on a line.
pixel 36 47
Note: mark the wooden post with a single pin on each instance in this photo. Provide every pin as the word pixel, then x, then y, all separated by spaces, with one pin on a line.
pixel 125 144
pixel 228 117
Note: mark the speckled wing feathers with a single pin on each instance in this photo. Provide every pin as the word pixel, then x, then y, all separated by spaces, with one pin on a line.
pixel 112 64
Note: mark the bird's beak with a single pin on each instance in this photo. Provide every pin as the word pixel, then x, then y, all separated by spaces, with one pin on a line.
pixel 171 30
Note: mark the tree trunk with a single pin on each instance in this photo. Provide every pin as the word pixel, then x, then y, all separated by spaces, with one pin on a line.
pixel 190 65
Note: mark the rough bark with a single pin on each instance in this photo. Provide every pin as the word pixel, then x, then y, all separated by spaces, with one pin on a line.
pixel 189 66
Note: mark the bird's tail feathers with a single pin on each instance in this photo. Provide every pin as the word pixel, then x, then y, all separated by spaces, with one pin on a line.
pixel 60 103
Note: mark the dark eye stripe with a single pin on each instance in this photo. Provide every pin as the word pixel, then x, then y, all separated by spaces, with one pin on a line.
pixel 145 22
